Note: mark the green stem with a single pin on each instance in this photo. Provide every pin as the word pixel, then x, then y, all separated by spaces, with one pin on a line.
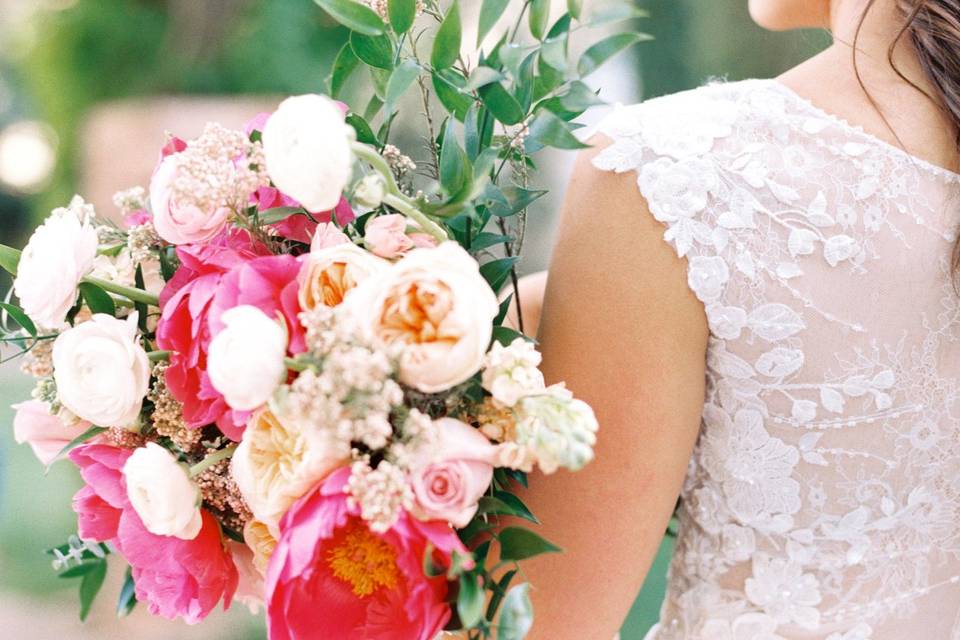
pixel 404 206
pixel 158 356
pixel 130 293
pixel 211 460
pixel 369 155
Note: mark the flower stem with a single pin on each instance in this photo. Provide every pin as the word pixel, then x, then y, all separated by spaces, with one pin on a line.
pixel 130 293
pixel 212 459
pixel 158 356
pixel 404 206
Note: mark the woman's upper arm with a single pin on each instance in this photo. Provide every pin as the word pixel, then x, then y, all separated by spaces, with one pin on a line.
pixel 624 331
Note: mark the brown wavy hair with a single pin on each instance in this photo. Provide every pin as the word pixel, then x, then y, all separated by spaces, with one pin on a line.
pixel 933 30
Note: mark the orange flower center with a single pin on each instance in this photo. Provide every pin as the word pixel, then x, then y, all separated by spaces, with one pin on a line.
pixel 416 314
pixel 363 561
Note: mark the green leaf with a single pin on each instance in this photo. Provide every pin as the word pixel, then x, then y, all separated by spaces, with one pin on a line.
pixel 501 104
pixel 549 130
pixel 574 7
pixel 499 591
pixel 364 133
pixel 525 82
pixel 579 97
pixel 90 587
pixel 344 65
pixel 471 132
pixel 470 600
pixel 76 442
pixel 490 12
pixel 538 17
pixel 482 76
pixel 98 300
pixel 485 240
pixel 376 51
pixel 453 162
pixel 20 317
pixel 519 543
pixel 518 199
pixel 278 214
pixel 501 505
pixel 449 94
pixel 516 619
pixel 353 15
pixel 81 569
pixel 128 595
pixel 497 271
pixel 599 53
pixel 501 316
pixel 446 45
pixel 402 14
pixel 615 12
pixel 373 108
pixel 554 53
pixel 506 335
pixel 399 82
pixel 9 259
pixel 168 263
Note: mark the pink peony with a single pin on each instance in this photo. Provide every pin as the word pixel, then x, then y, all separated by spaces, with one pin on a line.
pixel 46 434
pixel 176 578
pixel 331 577
pixel 450 488
pixel 184 330
pixel 300 227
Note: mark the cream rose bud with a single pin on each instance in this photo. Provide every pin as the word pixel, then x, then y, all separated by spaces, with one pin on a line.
pixel 331 272
pixel 245 361
pixel 102 372
pixel 306 144
pixel 511 372
pixel 162 493
pixel 449 488
pixel 59 254
pixel 557 429
pixel 436 306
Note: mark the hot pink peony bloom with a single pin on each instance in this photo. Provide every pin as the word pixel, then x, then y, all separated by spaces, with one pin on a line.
pixel 300 227
pixel 331 577
pixel 46 434
pixel 176 578
pixel 184 329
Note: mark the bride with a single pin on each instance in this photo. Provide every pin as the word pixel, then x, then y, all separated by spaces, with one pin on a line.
pixel 768 330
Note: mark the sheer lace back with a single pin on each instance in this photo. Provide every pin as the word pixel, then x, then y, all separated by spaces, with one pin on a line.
pixel 823 496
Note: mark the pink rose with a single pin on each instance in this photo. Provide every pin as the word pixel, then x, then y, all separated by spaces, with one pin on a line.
pixel 386 236
pixel 180 223
pixel 327 235
pixel 423 240
pixel 176 578
pixel 46 434
pixel 184 329
pixel 332 577
pixel 450 487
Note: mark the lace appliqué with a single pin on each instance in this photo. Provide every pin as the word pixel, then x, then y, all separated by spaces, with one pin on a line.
pixel 823 496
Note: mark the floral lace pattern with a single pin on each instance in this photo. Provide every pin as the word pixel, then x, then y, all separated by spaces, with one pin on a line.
pixel 822 501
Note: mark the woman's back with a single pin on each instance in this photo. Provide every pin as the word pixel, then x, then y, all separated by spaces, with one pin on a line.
pixel 822 499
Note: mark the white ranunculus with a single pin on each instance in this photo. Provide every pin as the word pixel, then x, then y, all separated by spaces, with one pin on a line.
pixel 432 308
pixel 511 372
pixel 279 460
pixel 245 360
pixel 558 429
pixel 102 372
pixel 162 493
pixel 59 254
pixel 306 144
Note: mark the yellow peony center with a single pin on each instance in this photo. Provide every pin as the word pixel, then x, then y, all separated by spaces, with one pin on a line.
pixel 417 314
pixel 363 561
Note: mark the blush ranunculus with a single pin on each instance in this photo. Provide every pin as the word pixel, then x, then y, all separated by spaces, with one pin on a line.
pixel 174 577
pixel 46 434
pixel 180 223
pixel 332 577
pixel 184 329
pixel 450 487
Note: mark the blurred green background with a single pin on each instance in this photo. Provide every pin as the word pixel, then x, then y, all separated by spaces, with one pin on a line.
pixel 61 58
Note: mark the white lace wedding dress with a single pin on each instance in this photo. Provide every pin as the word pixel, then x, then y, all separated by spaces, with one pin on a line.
pixel 823 497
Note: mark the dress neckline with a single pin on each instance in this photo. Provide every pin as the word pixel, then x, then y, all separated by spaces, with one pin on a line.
pixel 858 131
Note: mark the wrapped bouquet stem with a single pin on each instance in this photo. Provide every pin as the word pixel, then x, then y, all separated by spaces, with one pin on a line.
pixel 286 380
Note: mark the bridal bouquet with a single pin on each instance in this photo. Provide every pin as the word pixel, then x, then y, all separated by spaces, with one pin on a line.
pixel 286 379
